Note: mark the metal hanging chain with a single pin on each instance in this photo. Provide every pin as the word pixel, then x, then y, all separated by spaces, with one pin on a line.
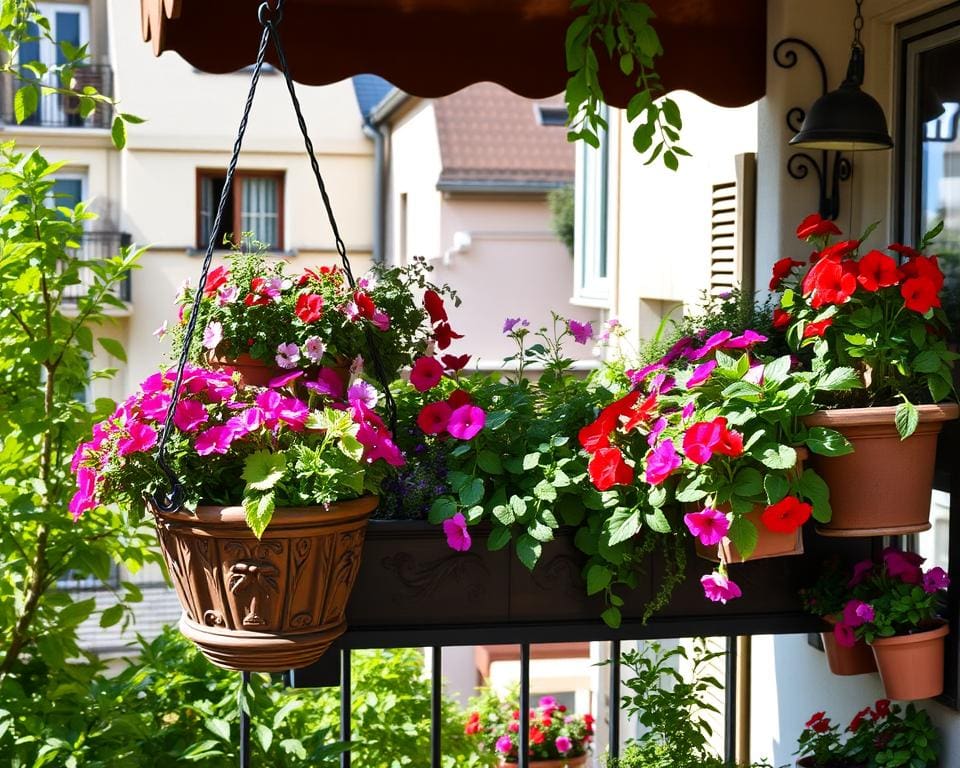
pixel 378 367
pixel 174 500
pixel 858 25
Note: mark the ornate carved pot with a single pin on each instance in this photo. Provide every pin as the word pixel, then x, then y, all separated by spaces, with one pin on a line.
pixel 267 605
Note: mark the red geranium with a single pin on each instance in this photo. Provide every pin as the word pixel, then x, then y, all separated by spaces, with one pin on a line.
pixel 830 281
pixel 781 269
pixel 919 294
pixel 816 226
pixel 607 468
pixel 925 266
pixel 786 515
pixel 215 279
pixel 309 307
pixel 877 270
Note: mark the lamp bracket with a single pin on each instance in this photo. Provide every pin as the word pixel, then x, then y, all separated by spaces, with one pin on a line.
pixel 832 168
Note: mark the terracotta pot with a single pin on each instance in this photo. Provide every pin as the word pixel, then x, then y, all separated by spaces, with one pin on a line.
pixel 807 762
pixel 267 605
pixel 867 498
pixel 255 373
pixel 569 762
pixel 769 543
pixel 911 666
pixel 846 661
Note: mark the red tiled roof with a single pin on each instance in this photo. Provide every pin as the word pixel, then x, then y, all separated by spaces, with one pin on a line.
pixel 489 135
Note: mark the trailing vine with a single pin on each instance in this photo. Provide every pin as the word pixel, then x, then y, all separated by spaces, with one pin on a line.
pixel 622 28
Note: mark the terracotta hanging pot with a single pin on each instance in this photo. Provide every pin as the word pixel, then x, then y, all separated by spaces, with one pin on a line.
pixel 883 488
pixel 844 661
pixel 911 666
pixel 255 373
pixel 567 762
pixel 271 604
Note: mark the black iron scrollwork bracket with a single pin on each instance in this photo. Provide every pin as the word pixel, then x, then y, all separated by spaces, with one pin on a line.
pixel 833 167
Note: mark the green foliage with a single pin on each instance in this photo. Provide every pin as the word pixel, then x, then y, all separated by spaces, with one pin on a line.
pixel 561 204
pixel 621 29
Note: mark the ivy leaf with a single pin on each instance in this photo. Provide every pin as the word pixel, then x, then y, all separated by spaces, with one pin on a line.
pixel 906 418
pixel 259 512
pixel 263 470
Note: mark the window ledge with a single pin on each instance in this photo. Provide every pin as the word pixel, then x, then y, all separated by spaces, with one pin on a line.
pixel 591 302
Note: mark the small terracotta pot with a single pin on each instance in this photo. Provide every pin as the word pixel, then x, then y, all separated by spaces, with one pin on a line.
pixel 911 666
pixel 255 373
pixel 846 661
pixel 867 498
pixel 267 605
pixel 568 762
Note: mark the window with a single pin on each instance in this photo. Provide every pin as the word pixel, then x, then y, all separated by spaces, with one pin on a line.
pixel 592 284
pixel 255 205
pixel 551 116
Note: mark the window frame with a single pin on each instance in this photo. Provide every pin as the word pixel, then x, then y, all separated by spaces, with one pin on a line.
pixel 591 201
pixel 236 192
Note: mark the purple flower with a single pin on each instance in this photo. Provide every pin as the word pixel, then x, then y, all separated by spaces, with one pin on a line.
pixel 843 634
pixel 288 355
pixel 661 383
pixel 661 462
pixel 455 529
pixel 680 347
pixel 656 430
pixel 563 744
pixel 581 332
pixel 748 338
pixel 284 379
pixel 935 579
pixel 701 373
pixel 903 565
pixel 718 588
pixel 860 570
pixel 466 421
pixel 636 377
pixel 713 343
pixel 709 525
pixel 688 410
pixel 510 324
pixel 857 612
pixel 504 745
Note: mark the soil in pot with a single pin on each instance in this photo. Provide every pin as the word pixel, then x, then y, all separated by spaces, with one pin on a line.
pixel 911 666
pixel 867 498
pixel 844 661
pixel 271 604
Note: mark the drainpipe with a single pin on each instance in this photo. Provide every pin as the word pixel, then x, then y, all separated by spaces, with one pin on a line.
pixel 375 132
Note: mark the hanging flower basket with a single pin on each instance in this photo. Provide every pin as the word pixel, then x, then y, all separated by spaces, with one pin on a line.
pixel 844 661
pixel 911 665
pixel 271 604
pixel 867 498
pixel 253 372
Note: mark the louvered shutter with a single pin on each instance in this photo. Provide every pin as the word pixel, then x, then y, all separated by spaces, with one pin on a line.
pixel 732 229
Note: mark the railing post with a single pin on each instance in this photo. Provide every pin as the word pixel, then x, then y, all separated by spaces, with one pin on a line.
pixel 523 750
pixel 244 721
pixel 730 703
pixel 345 705
pixel 614 702
pixel 436 707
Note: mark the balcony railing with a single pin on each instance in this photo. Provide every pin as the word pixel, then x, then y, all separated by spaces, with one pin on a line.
pixel 99 246
pixel 58 111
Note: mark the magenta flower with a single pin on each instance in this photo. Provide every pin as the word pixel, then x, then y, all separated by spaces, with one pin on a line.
pixel 581 332
pixel 466 421
pixel 512 322
pixel 903 565
pixel 688 410
pixel 661 383
pixel 656 430
pixel 380 320
pixel 154 406
pixel 844 635
pixel 636 377
pixel 85 497
pixel 546 702
pixel 857 612
pixel 362 392
pixel 378 445
pixel 701 373
pixel 328 383
pixel 935 579
pixel 563 744
pixel 426 373
pixel 718 588
pixel 709 525
pixel 288 355
pixel 283 379
pixel 455 529
pixel 860 570
pixel 190 415
pixel 755 374
pixel 214 440
pixel 227 294
pixel 294 412
pixel 749 338
pixel 212 335
pixel 710 345
pixel 661 462
pixel 504 745
pixel 141 437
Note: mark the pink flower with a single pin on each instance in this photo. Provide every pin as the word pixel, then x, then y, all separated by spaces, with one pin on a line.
pixel 701 373
pixel 189 415
pixel 466 421
pixel 581 332
pixel 857 612
pixel 85 497
pixel 860 570
pixel 710 345
pixel 154 406
pixel 227 294
pixel 328 383
pixel 212 335
pixel 709 525
pixel 362 392
pixel 161 331
pixel 426 373
pixel 433 418
pixel 844 635
pixel 380 320
pixel 636 377
pixel 294 412
pixel 547 702
pixel 313 348
pixel 749 338
pixel 504 745
pixel 903 565
pixel 378 445
pixel 563 744
pixel 214 440
pixel 455 529
pixel 718 588
pixel 288 355
pixel 688 410
pixel 661 462
pixel 141 437
pixel 283 379
pixel 656 430
pixel 935 579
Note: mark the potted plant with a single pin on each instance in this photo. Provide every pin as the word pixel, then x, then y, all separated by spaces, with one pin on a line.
pixel 894 605
pixel 882 736
pixel 557 739
pixel 852 307
pixel 827 599
pixel 258 316
pixel 278 488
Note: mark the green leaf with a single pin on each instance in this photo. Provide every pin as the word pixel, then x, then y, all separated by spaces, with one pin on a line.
pixel 812 486
pixel 598 578
pixel 111 615
pixel 744 535
pixel 839 379
pixel 472 492
pixel 531 460
pixel 263 470
pixel 259 512
pixel 504 514
pixel 114 348
pixel 264 736
pixel 489 462
pixel 496 419
pixel 748 482
pixel 119 133
pixel 528 550
pixel 499 538
pixel 827 442
pixel 25 102
pixel 442 509
pixel 927 361
pixel 776 487
pixel 519 506
pixel 777 370
pixel 545 491
pixel 906 418
pixel 612 617
pixel 657 521
pixel 622 525
pixel 218 727
pixel 778 457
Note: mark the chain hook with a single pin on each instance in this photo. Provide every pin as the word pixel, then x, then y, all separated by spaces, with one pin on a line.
pixel 268 14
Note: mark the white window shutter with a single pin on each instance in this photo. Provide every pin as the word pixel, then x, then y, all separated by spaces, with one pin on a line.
pixel 732 226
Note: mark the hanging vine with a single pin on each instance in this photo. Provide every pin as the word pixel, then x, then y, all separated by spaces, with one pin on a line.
pixel 623 30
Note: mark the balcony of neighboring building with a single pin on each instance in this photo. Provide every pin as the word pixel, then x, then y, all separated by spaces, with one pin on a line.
pixel 98 247
pixel 56 110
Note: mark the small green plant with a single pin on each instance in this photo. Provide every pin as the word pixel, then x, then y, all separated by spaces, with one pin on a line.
pixel 562 215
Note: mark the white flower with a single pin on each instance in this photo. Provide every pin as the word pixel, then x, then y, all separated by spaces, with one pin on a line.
pixel 288 355
pixel 161 331
pixel 212 335
pixel 314 348
pixel 227 294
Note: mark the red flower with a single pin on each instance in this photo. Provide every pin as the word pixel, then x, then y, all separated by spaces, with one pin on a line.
pixel 781 269
pixel 309 307
pixel 607 469
pixel 781 318
pixel 455 362
pixel 816 226
pixel 881 709
pixel 822 726
pixel 815 718
pixel 597 435
pixel 919 294
pixel 817 329
pixel 904 250
pixel 365 305
pixel 443 334
pixel 839 250
pixel 925 266
pixel 309 274
pixel 858 719
pixel 425 374
pixel 877 270
pixel 830 282
pixel 215 279
pixel 459 397
pixel 786 516
pixel 536 735
pixel 433 418
pixel 434 306
pixel 706 438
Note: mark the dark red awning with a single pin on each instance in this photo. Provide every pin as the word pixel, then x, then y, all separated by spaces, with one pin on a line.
pixel 715 48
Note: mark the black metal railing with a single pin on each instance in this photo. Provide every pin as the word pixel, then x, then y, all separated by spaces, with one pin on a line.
pixel 99 246
pixel 56 110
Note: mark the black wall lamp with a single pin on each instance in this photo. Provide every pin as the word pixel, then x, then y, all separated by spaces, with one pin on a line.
pixel 842 120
